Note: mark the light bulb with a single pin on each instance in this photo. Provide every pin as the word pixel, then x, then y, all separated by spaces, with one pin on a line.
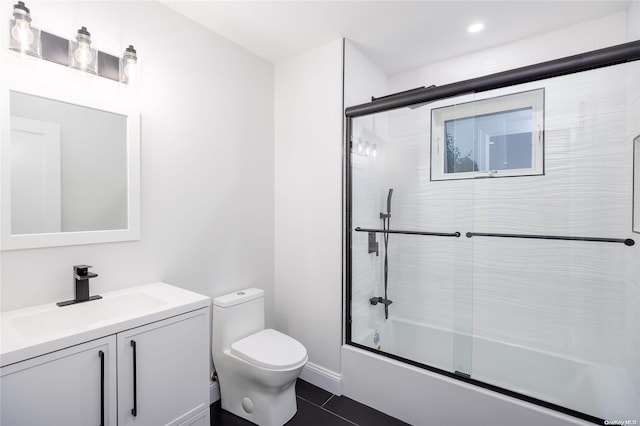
pixel 129 68
pixel 83 53
pixel 21 32
pixel 367 149
pixel 24 38
pixel 360 146
pixel 128 64
pixel 374 150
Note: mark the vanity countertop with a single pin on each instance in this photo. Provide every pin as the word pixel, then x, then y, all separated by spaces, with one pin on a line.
pixel 34 331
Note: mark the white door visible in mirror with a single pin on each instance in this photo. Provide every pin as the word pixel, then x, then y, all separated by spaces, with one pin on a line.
pixel 91 174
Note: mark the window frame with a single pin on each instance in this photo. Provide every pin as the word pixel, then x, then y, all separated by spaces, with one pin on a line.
pixel 533 99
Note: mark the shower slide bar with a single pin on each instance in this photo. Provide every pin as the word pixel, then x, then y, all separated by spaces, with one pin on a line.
pixel 627 242
pixel 390 231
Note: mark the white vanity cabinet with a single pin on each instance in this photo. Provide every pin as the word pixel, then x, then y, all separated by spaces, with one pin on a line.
pixel 148 367
pixel 163 371
pixel 73 386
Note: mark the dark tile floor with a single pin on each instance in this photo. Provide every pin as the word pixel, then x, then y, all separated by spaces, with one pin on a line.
pixel 317 407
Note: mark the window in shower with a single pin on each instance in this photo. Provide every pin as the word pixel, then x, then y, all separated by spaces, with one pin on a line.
pixel 495 137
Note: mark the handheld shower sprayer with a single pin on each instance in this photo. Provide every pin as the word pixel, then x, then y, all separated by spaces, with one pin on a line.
pixel 386 224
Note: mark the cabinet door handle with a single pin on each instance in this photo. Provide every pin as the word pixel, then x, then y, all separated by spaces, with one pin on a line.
pixel 134 410
pixel 101 355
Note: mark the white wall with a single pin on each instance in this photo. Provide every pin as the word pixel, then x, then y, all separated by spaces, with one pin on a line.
pixel 362 78
pixel 308 194
pixel 207 162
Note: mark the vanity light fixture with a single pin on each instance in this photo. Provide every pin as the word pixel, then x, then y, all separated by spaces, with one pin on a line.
pixel 79 54
pixel 82 56
pixel 24 38
pixel 128 65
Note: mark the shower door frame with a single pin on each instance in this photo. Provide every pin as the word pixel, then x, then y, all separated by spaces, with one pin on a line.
pixel 615 55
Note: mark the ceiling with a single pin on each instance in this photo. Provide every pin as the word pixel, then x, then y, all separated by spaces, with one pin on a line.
pixel 396 35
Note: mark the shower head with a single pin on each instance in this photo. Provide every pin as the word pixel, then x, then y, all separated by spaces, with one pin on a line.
pixel 389 201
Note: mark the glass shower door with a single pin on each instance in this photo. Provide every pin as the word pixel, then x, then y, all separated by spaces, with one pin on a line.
pixel 491 239
pixel 552 275
pixel 409 284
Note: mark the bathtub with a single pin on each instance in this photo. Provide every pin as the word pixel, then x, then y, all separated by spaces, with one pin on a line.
pixel 601 391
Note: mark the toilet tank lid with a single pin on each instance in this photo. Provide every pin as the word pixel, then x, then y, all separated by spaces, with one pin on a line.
pixel 237 297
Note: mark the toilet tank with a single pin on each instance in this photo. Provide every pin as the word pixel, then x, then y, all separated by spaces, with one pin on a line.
pixel 237 315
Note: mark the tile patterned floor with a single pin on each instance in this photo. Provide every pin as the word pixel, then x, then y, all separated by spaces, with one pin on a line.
pixel 317 407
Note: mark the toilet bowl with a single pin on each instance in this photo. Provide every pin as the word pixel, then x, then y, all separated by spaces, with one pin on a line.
pixel 257 368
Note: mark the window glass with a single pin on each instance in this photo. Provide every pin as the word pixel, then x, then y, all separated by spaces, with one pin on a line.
pixel 492 137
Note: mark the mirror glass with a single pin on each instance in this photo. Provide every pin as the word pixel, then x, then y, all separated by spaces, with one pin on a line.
pixel 68 167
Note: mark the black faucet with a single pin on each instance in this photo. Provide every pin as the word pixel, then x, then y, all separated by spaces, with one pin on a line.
pixel 81 274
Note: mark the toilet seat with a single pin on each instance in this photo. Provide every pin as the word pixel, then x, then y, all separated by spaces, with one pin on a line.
pixel 270 349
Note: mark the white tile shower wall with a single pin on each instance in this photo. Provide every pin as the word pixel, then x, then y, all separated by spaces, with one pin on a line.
pixel 564 297
pixel 207 162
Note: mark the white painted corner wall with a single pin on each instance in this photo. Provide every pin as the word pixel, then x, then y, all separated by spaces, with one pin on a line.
pixel 362 78
pixel 308 203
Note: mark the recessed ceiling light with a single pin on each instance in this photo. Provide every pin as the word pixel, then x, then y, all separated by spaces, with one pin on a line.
pixel 477 27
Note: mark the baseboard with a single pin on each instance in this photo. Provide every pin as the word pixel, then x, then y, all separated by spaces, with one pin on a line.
pixel 214 392
pixel 322 377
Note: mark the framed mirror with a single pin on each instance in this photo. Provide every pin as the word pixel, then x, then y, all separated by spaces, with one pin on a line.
pixel 70 156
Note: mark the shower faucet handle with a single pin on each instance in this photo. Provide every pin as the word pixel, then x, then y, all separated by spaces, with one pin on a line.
pixel 375 300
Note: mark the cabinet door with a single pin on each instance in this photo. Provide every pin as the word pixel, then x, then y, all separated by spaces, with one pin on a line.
pixel 163 371
pixel 71 387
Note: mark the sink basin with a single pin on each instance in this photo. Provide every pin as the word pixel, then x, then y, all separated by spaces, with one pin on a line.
pixel 38 330
pixel 87 314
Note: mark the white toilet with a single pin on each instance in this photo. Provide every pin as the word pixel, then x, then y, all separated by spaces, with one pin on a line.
pixel 257 368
